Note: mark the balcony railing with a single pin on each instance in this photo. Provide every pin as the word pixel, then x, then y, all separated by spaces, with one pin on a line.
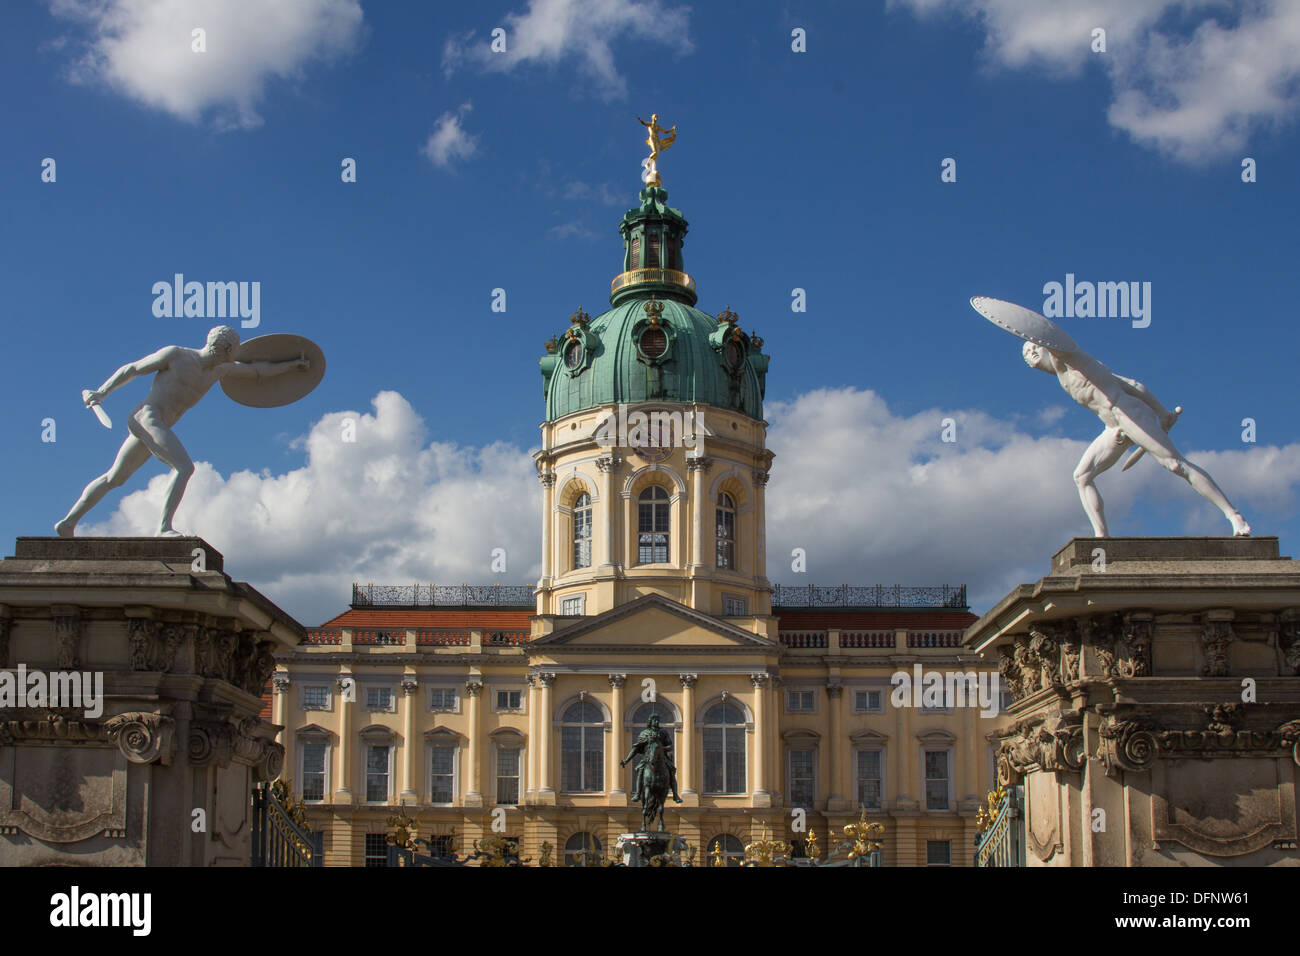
pixel 866 639
pixel 881 595
pixel 803 638
pixel 934 638
pixel 442 637
pixel 661 276
pixel 324 635
pixel 442 595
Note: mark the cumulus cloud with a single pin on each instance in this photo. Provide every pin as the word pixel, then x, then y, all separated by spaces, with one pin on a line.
pixel 449 141
pixel 1193 80
pixel 143 49
pixel 550 32
pixel 873 496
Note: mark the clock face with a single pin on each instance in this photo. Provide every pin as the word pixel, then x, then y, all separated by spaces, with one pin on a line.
pixel 660 448
pixel 573 354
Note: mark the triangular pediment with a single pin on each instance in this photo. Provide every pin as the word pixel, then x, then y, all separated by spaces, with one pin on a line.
pixel 654 621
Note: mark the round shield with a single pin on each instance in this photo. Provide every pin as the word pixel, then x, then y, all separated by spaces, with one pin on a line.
pixel 284 387
pixel 1024 323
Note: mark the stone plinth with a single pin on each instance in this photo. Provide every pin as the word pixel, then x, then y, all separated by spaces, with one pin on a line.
pixel 637 849
pixel 1156 702
pixel 173 743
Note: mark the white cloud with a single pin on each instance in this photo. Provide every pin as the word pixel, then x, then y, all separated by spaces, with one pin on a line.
pixel 552 31
pixel 142 49
pixel 449 141
pixel 874 497
pixel 1193 80
pixel 573 228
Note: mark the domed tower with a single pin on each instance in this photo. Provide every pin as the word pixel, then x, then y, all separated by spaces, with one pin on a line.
pixel 653 460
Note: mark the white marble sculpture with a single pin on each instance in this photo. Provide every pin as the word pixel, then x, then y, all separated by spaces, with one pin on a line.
pixel 183 377
pixel 1130 413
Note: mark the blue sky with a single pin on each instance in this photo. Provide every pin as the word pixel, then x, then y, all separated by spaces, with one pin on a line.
pixel 817 170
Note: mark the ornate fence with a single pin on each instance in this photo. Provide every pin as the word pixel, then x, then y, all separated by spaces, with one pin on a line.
pixel 281 837
pixel 880 595
pixel 1002 842
pixel 442 595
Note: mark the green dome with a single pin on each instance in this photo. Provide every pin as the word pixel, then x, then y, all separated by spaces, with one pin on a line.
pixel 653 345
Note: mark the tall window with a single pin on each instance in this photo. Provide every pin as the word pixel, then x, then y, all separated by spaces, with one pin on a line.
pixel 733 851
pixel 582 749
pixel 724 748
pixel 508 776
pixel 726 513
pixel 936 780
pixel 377 760
pixel 803 778
pixel 652 251
pixel 376 849
pixel 313 771
pixel 442 760
pixel 870 782
pixel 652 526
pixel 582 531
pixel 581 849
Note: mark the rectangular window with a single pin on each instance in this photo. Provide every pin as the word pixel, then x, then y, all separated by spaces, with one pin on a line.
pixel 377 759
pixel 652 251
pixel 442 759
pixel 635 261
pixel 376 849
pixel 734 606
pixel 799 701
pixel 652 549
pixel 508 776
pixel 870 783
pixel 313 771
pixel 379 698
pixel 582 537
pixel 936 780
pixel 315 697
pixel 442 698
pixel 867 701
pixel 803 778
pixel 573 606
pixel 726 532
pixel 509 699
pixel 938 853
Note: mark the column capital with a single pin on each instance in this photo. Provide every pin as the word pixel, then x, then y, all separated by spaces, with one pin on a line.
pixel 759 679
pixel 409 684
pixel 547 678
pixel 617 680
pixel 688 680
pixel 834 689
pixel 280 682
pixel 547 478
pixel 473 687
pixel 760 477
pixel 608 464
pixel 699 463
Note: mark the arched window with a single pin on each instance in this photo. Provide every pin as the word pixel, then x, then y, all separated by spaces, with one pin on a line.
pixel 733 851
pixel 652 526
pixel 724 748
pixel 582 748
pixel 582 531
pixel 726 514
pixel 582 849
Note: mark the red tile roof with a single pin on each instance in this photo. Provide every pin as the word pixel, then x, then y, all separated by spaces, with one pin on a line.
pixel 820 618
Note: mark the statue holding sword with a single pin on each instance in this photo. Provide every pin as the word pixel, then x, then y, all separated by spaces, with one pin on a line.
pixel 1130 413
pixel 264 372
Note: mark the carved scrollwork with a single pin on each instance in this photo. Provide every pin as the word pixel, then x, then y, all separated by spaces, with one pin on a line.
pixel 1127 745
pixel 211 742
pixel 272 763
pixel 142 634
pixel 1216 635
pixel 1061 745
pixel 1136 633
pixel 142 737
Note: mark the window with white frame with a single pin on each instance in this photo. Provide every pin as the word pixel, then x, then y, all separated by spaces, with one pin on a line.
pixel 733 606
pixel 802 767
pixel 509 699
pixel 443 699
pixel 507 774
pixel 314 773
pixel 724 748
pixel 381 698
pixel 868 701
pixel 442 772
pixel 870 776
pixel 938 853
pixel 652 526
pixel 574 606
pixel 937 778
pixel 379 759
pixel 582 531
pixel 726 528
pixel 800 701
pixel 316 697
pixel 582 748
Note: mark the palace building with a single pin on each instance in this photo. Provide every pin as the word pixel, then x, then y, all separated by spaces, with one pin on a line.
pixel 507 710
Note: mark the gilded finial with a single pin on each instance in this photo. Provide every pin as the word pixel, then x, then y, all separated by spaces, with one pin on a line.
pixel 727 317
pixel 552 344
pixel 654 308
pixel 658 138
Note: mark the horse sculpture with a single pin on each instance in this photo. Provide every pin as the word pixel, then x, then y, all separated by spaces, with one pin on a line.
pixel 655 777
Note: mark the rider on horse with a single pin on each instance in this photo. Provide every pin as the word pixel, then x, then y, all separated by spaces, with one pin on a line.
pixel 652 734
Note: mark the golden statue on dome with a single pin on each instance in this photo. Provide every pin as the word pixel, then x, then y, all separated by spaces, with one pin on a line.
pixel 658 142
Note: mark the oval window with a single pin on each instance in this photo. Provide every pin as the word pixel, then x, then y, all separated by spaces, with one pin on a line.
pixel 735 355
pixel 653 343
pixel 573 354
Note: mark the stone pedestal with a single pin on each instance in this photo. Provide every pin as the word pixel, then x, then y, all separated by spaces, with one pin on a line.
pixel 637 849
pixel 1156 702
pixel 158 770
